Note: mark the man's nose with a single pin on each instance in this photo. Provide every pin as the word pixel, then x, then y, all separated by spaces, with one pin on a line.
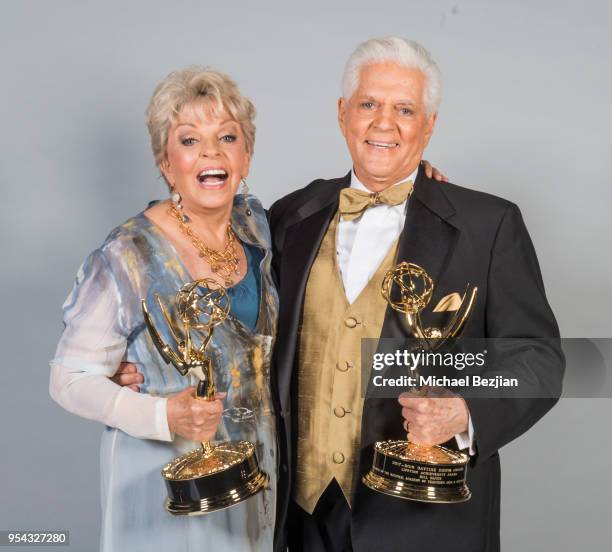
pixel 385 119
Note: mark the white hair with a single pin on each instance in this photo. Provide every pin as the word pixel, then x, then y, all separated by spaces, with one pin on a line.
pixel 406 53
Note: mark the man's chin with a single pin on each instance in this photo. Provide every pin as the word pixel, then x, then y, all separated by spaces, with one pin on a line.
pixel 376 175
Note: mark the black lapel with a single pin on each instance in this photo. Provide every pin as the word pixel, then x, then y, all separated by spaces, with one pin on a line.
pixel 302 241
pixel 428 239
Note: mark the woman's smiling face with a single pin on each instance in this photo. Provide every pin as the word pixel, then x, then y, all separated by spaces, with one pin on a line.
pixel 206 157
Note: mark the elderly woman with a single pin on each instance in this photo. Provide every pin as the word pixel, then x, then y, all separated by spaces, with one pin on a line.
pixel 202 135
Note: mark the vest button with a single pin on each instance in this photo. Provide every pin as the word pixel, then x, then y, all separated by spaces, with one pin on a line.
pixel 338 457
pixel 350 322
pixel 343 366
pixel 339 412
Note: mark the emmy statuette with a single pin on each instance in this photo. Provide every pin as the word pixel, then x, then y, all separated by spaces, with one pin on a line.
pixel 213 476
pixel 425 473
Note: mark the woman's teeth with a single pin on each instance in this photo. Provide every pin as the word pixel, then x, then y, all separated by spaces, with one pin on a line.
pixel 212 176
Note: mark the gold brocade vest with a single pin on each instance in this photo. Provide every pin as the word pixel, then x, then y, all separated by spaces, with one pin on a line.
pixel 330 402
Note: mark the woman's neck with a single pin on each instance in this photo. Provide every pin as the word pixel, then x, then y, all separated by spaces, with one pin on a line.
pixel 210 225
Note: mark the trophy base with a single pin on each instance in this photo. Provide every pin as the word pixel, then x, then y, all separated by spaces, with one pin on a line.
pixel 199 483
pixel 220 502
pixel 421 473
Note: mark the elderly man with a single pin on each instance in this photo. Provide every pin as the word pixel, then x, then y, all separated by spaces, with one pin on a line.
pixel 333 242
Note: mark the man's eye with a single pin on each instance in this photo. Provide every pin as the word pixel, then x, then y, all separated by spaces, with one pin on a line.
pixel 228 138
pixel 406 111
pixel 367 105
pixel 188 141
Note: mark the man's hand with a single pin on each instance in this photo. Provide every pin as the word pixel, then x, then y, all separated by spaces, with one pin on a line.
pixel 433 420
pixel 128 376
pixel 432 172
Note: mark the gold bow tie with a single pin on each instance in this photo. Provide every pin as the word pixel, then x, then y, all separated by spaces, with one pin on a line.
pixel 353 203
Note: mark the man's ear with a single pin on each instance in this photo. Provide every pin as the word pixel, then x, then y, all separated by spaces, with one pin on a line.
pixel 342 115
pixel 431 123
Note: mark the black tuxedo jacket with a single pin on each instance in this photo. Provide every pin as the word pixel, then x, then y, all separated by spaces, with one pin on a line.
pixel 458 236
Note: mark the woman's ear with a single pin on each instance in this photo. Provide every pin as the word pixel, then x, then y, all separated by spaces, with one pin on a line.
pixel 164 167
pixel 247 166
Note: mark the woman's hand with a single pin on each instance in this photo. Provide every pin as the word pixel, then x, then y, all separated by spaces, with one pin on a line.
pixel 432 172
pixel 128 376
pixel 194 418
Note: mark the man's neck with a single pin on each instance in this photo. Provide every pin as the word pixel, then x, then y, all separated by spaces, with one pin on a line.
pixel 373 186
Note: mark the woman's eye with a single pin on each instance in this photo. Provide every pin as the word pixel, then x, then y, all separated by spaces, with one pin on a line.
pixel 228 138
pixel 188 141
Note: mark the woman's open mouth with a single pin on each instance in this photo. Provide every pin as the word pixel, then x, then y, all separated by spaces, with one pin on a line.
pixel 212 179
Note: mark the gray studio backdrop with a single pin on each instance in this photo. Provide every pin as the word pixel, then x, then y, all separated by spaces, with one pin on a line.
pixel 526 115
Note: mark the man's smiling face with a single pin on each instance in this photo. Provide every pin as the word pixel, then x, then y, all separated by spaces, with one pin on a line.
pixel 385 123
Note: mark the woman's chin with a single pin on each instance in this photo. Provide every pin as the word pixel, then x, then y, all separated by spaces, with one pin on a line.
pixel 214 199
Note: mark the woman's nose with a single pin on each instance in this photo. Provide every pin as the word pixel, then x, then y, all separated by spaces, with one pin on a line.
pixel 209 148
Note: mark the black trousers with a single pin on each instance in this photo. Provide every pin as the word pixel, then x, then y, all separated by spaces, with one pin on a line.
pixel 327 529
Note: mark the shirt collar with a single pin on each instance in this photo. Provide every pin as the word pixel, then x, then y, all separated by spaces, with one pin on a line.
pixel 358 185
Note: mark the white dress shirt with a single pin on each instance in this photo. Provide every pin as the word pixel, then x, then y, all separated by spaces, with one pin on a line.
pixel 362 244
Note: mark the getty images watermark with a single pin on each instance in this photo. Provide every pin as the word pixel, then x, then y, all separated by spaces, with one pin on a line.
pixel 488 368
pixel 419 365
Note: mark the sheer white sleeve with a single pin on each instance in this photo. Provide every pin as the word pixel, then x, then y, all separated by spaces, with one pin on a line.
pixel 90 350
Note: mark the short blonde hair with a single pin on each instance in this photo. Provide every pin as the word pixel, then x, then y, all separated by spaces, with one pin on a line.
pixel 187 85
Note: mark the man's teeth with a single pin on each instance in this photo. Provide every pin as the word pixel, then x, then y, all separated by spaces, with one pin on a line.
pixel 381 144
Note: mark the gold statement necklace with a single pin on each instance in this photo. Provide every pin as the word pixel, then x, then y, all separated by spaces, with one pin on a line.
pixel 224 263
